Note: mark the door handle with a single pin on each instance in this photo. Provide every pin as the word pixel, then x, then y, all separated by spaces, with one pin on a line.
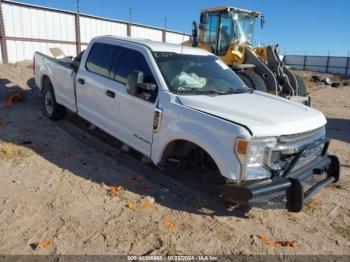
pixel 110 93
pixel 81 81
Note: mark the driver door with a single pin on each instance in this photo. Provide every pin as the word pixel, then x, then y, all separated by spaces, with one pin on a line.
pixel 135 115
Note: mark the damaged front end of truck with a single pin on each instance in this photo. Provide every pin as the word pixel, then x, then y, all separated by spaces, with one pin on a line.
pixel 283 172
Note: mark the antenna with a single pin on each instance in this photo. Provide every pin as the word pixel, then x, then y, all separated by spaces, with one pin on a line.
pixel 77 7
pixel 130 15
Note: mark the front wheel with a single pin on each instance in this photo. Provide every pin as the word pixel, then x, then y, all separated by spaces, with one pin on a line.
pixel 252 80
pixel 52 110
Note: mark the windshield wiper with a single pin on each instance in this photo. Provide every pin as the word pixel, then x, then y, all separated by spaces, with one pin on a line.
pixel 216 92
pixel 210 91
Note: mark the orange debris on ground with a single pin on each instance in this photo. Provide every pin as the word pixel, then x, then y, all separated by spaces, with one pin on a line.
pixel 16 97
pixel 169 224
pixel 115 190
pixel 44 244
pixel 267 241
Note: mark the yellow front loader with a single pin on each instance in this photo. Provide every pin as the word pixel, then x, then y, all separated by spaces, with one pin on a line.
pixel 228 33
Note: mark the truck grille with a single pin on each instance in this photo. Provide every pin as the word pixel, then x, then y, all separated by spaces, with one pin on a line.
pixel 288 147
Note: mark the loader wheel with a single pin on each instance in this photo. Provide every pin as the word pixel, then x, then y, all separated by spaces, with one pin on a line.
pixel 253 80
pixel 301 86
pixel 52 110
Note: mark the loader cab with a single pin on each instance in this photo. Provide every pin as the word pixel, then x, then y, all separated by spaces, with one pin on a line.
pixel 222 27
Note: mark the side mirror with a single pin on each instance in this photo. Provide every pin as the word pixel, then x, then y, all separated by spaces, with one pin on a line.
pixel 204 18
pixel 194 34
pixel 75 65
pixel 262 21
pixel 135 78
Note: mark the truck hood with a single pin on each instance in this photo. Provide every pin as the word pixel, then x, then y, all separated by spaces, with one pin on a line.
pixel 263 114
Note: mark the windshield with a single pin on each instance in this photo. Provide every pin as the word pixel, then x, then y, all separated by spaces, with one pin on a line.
pixel 194 74
pixel 243 28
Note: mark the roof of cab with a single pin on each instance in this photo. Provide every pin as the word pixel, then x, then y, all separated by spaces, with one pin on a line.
pixel 230 8
pixel 155 46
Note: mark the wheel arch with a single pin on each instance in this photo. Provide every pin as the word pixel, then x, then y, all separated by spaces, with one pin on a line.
pixel 44 81
pixel 182 148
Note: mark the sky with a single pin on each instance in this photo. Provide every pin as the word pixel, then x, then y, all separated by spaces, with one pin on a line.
pixel 314 27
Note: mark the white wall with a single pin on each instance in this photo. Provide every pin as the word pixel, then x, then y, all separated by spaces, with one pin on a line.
pixel 91 27
pixel 146 33
pixel 23 50
pixel 34 23
pixel 176 38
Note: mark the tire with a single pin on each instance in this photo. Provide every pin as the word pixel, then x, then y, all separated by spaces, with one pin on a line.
pixel 301 86
pixel 253 80
pixel 51 109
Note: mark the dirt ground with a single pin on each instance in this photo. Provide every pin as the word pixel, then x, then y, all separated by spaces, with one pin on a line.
pixel 54 178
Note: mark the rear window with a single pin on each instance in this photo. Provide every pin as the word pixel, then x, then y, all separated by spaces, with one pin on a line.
pixel 100 58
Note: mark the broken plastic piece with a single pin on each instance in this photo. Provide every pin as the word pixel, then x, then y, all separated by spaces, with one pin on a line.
pixel 44 244
pixel 16 97
pixel 267 241
pixel 115 190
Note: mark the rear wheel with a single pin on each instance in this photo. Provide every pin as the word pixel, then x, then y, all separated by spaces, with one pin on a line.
pixel 52 110
pixel 252 80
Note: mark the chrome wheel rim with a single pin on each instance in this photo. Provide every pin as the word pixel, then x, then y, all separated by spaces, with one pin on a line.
pixel 48 102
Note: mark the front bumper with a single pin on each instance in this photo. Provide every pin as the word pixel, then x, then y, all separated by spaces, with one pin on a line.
pixel 290 191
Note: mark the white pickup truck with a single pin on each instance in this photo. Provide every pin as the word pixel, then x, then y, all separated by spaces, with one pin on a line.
pixel 168 100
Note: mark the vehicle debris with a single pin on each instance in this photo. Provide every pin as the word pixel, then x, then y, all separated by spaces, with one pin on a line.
pixel 327 81
pixel 131 205
pixel 335 84
pixel 39 245
pixel 267 241
pixel 115 191
pixel 316 78
pixel 148 201
pixel 169 224
pixel 7 151
pixel 15 97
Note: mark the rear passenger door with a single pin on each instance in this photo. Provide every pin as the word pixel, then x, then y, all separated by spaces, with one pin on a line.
pixel 93 86
pixel 135 113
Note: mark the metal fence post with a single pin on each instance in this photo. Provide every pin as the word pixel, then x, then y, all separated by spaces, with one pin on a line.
pixel 3 38
pixel 304 64
pixel 347 65
pixel 77 33
pixel 77 30
pixel 163 35
pixel 164 30
pixel 128 29
pixel 327 65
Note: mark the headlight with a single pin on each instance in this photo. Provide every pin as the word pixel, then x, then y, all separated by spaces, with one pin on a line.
pixel 252 155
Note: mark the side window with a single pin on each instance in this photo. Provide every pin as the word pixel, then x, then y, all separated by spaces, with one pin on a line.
pixel 100 58
pixel 131 60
